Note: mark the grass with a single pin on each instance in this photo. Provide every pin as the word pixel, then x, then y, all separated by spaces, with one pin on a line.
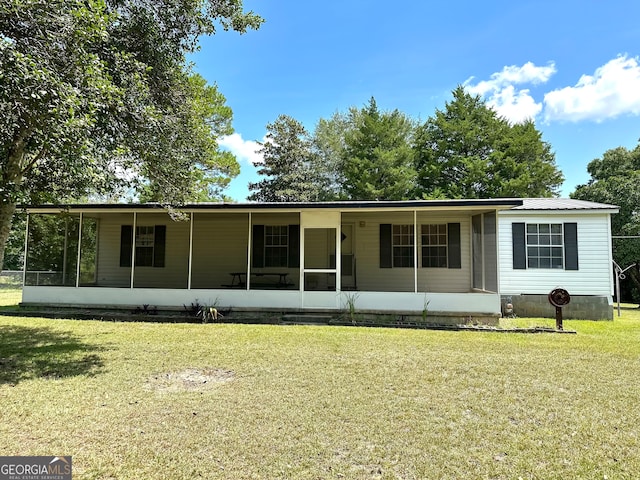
pixel 10 297
pixel 311 402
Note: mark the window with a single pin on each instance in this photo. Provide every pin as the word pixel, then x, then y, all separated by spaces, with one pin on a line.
pixel 402 243
pixel 434 246
pixel 545 247
pixel 144 246
pixel 276 245
pixel 440 245
pixel 150 245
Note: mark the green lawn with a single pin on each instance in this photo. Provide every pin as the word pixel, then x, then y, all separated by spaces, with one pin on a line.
pixel 322 402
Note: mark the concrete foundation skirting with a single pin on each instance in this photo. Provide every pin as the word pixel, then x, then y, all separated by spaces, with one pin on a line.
pixel 581 307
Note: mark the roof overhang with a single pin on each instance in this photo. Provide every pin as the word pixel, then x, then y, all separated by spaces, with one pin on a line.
pixel 343 206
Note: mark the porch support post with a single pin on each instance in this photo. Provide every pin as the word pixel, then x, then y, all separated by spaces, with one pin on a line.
pixel 190 250
pixel 415 251
pixel 79 250
pixel 133 248
pixel 302 221
pixel 26 244
pixel 339 255
pixel 249 246
pixel 498 254
pixel 64 250
pixel 484 253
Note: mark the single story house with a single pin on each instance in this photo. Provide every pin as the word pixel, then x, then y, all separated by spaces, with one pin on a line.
pixel 446 261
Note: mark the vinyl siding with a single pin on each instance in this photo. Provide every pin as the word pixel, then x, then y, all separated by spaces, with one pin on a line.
pixel 219 248
pixel 370 277
pixel 594 274
pixel 277 219
pixel 172 275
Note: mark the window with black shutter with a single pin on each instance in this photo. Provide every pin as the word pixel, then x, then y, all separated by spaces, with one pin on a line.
pixel 150 245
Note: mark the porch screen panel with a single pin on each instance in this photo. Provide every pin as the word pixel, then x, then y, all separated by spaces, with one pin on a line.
pixel 52 250
pixel 477 253
pixel 490 253
pixel 89 252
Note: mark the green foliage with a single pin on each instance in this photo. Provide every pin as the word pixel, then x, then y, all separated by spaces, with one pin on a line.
pixel 464 151
pixel 468 151
pixel 365 154
pixel 97 97
pixel 287 165
pixel 614 179
pixel 377 161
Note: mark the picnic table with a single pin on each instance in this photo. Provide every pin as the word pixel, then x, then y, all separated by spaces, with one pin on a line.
pixel 280 279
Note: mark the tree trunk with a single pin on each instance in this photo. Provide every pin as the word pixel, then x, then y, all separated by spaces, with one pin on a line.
pixel 6 216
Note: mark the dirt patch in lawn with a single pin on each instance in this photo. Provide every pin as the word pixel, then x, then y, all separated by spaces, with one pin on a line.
pixel 189 380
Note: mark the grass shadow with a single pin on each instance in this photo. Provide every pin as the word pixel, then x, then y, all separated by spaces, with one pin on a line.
pixel 40 352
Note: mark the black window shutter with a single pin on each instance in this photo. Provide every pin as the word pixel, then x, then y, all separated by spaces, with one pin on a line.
pixel 258 246
pixel 126 245
pixel 294 246
pixel 386 250
pixel 454 250
pixel 571 246
pixel 519 246
pixel 159 245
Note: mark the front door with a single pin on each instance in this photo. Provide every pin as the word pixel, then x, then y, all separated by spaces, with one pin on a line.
pixel 348 264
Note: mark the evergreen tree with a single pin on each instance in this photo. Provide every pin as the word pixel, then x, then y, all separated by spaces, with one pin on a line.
pixel 288 165
pixel 468 151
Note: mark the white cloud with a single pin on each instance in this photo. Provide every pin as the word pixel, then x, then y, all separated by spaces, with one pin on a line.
pixel 243 149
pixel 516 105
pixel 510 75
pixel 613 90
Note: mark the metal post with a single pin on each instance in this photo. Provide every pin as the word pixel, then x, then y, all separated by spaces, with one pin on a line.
pixel 26 244
pixel 558 318
pixel 133 248
pixel 79 251
pixel 415 251
pixel 64 251
pixel 190 251
pixel 249 246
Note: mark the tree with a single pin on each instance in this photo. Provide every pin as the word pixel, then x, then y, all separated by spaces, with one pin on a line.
pixel 287 165
pixel 98 94
pixel 614 179
pixel 328 146
pixel 468 151
pixel 366 154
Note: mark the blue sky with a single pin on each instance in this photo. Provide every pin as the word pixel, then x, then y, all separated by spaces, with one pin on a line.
pixel 573 66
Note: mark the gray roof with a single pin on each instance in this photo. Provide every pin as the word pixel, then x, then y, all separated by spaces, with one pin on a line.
pixel 562 204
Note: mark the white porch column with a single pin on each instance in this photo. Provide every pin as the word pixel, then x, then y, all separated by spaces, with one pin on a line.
pixel 64 250
pixel 79 251
pixel 190 251
pixel 133 248
pixel 415 251
pixel 26 243
pixel 250 220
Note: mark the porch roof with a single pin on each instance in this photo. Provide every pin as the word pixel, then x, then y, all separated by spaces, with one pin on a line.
pixel 454 204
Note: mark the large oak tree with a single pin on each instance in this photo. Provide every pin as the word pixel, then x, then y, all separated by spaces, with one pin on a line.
pixel 97 95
